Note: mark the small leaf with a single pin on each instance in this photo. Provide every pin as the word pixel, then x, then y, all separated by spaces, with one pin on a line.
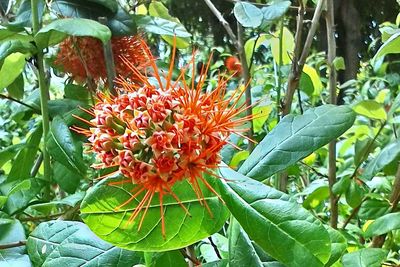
pixel 371 109
pixel 16 88
pixel 9 152
pixel 372 209
pixel 339 245
pixel 261 115
pixel 57 30
pixel 310 81
pixel 98 212
pixel 354 194
pixel 76 92
pixel 55 242
pixel 295 137
pixel 383 225
pixel 238 158
pixel 388 154
pixel 287 46
pixel 273 221
pixel 276 10
pixel 367 257
pixel 248 14
pixel 391 46
pixel 62 147
pixel 161 26
pixel 339 63
pixel 12 67
pixel 65 178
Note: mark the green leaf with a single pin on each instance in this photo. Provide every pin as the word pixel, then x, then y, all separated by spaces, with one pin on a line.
pixel 253 44
pixel 388 154
pixel 287 46
pixel 338 247
pixel 13 46
pixel 7 34
pixel 62 147
pixel 367 257
pixel 65 178
pixel 20 194
pixel 391 46
pixel 310 81
pixel 241 250
pixel 354 194
pixel 161 26
pixel 111 5
pixel 339 63
pixel 56 242
pixel 273 221
pixel 370 109
pixel 295 137
pixel 157 9
pixel 60 107
pixel 57 30
pixel 12 232
pixel 16 88
pixel 262 114
pixel 23 17
pixel 25 158
pixel 372 209
pixel 316 192
pixel 275 11
pixel 9 153
pixel 12 67
pixel 76 92
pixel 172 258
pixel 248 14
pixel 383 225
pixel 98 212
pixel 238 158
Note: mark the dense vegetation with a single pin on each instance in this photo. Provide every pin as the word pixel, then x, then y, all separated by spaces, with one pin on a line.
pixel 188 133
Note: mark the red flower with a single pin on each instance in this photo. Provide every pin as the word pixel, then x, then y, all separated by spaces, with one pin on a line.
pixel 233 65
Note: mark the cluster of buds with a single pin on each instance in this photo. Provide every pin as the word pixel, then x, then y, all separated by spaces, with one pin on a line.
pixel 159 133
pixel 83 57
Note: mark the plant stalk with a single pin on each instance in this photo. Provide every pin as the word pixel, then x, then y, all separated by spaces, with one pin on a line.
pixel 44 93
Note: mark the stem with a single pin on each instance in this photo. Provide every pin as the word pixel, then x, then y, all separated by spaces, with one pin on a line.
pixel 330 29
pixel 44 94
pixel 39 218
pixel 279 88
pixel 352 214
pixel 215 248
pixel 246 78
pixel 13 245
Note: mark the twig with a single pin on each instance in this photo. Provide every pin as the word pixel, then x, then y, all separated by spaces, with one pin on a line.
pixel 297 66
pixel 314 170
pixel 188 253
pixel 215 247
pixel 40 218
pixel 13 245
pixel 330 29
pixel 352 214
pixel 20 102
pixel 247 79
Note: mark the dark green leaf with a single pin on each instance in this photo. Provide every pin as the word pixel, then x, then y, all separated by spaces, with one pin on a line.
pixel 295 137
pixel 367 257
pixel 57 30
pixel 62 147
pixel 273 221
pixel 241 250
pixel 25 158
pixel 56 242
pixel 65 178
pixel 172 258
pixel 16 89
pixel 76 92
pixel 383 224
pixel 59 107
pixel 373 208
pixel 354 194
pixel 341 186
pixel 161 26
pixel 9 152
pixel 248 14
pixel 23 17
pixel 338 247
pixel 388 154
pixel 98 212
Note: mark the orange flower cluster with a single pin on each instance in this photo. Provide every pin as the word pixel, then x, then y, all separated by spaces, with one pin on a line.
pixel 233 66
pixel 158 133
pixel 83 57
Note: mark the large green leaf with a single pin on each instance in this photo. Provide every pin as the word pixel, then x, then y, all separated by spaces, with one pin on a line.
pixel 241 250
pixel 388 154
pixel 282 228
pixel 275 11
pixel 367 257
pixel 171 258
pixel 25 158
pixel 63 148
pixel 295 137
pixel 383 224
pixel 57 30
pixel 56 243
pixel 372 209
pixel 23 17
pixel 98 212
pixel 248 14
pixel 161 26
pixel 371 109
